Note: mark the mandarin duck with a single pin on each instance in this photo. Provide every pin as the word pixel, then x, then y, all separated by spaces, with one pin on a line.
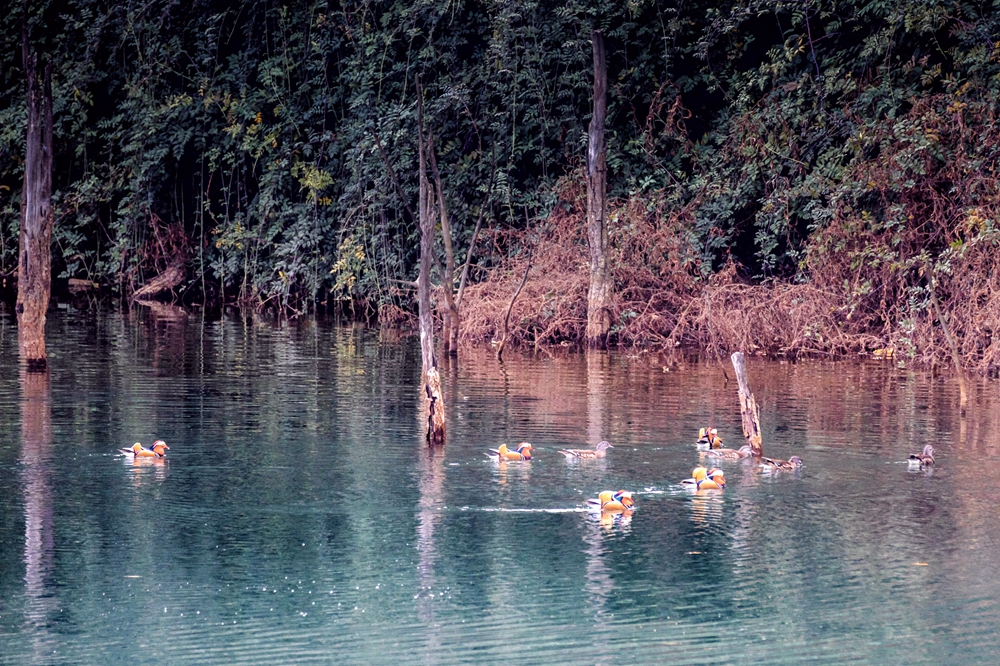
pixel 599 452
pixel 523 452
pixel 613 502
pixel 708 438
pixel 731 454
pixel 924 459
pixel 137 450
pixel 704 479
pixel 791 464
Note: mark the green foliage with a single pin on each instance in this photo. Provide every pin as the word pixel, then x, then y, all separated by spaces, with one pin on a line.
pixel 250 130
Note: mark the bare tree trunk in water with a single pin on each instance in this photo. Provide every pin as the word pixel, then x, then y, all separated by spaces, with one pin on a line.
pixel 430 379
pixel 749 411
pixel 452 318
pixel 34 266
pixel 599 296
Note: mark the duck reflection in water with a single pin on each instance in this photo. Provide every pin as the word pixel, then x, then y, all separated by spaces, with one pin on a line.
pixel 143 468
pixel 36 454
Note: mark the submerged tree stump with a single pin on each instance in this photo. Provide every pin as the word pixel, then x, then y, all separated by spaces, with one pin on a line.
pixel 433 402
pixel 748 406
pixel 34 265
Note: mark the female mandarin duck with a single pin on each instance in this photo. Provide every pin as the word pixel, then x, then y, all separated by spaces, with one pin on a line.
pixel 708 438
pixel 731 454
pixel 599 452
pixel 704 479
pixel 924 459
pixel 158 450
pixel 791 464
pixel 523 452
pixel 613 502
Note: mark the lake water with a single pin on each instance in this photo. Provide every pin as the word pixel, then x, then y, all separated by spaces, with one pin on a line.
pixel 299 518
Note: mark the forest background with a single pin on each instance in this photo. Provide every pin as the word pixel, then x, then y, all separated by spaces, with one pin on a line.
pixel 806 177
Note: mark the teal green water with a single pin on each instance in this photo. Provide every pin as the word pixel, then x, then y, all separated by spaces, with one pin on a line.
pixel 299 519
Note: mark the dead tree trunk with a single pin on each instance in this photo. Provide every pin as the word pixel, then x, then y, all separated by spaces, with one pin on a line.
pixel 34 266
pixel 748 406
pixel 599 296
pixel 433 401
pixel 452 317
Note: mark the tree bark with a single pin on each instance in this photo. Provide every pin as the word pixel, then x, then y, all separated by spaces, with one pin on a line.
pixel 433 402
pixel 599 296
pixel 34 267
pixel 748 406
pixel 452 317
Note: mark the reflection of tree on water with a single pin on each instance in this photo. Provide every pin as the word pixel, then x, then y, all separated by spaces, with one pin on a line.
pixel 428 518
pixel 36 451
pixel 597 369
pixel 600 585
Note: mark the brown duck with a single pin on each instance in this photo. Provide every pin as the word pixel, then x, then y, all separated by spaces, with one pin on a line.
pixel 599 452
pixel 791 464
pixel 731 454
pixel 924 459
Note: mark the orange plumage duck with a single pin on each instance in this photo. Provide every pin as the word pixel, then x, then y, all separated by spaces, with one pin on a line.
pixel 704 479
pixel 611 501
pixel 708 438
pixel 137 450
pixel 522 452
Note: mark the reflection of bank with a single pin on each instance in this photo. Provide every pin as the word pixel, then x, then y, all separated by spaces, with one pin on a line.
pixel 36 453
pixel 428 519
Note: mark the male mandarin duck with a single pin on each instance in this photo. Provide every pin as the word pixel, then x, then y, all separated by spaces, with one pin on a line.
pixel 708 438
pixel 731 454
pixel 703 479
pixel 599 452
pixel 791 464
pixel 139 451
pixel 924 459
pixel 523 452
pixel 714 476
pixel 611 501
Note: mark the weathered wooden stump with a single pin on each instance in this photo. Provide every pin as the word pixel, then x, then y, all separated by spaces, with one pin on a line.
pixel 165 281
pixel 748 406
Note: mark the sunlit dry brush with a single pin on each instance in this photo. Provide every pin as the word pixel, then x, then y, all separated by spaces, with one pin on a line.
pixel 552 306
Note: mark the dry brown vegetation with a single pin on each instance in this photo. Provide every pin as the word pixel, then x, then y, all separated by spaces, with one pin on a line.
pixel 905 221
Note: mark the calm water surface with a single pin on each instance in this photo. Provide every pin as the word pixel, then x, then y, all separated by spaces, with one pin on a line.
pixel 299 518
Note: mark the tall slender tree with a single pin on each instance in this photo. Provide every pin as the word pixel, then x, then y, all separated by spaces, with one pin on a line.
pixel 34 266
pixel 599 296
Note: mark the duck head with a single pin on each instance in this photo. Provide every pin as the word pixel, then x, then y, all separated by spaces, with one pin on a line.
pixel 795 460
pixel 929 450
pixel 746 450
pixel 625 497
pixel 524 448
pixel 602 446
pixel 160 446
